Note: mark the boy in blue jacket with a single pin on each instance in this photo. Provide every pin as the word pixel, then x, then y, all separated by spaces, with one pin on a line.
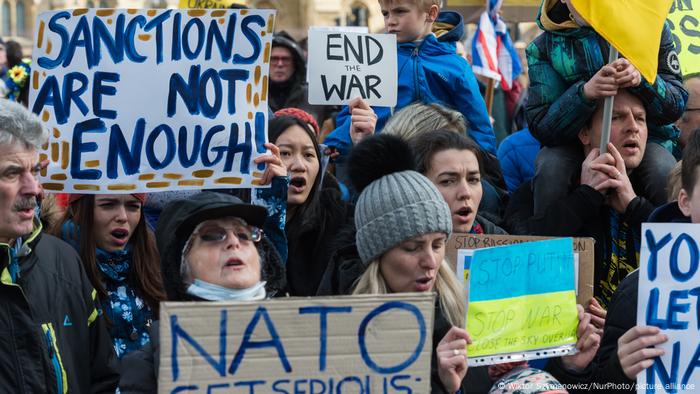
pixel 429 70
pixel 569 78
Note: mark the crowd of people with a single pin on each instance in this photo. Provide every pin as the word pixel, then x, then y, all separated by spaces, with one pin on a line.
pixel 361 200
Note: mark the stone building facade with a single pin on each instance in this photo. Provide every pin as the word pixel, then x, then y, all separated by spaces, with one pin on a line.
pixel 294 16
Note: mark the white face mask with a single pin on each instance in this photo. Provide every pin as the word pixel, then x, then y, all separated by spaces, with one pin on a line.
pixel 211 292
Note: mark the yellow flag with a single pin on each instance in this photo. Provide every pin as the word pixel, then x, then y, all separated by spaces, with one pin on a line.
pixel 632 26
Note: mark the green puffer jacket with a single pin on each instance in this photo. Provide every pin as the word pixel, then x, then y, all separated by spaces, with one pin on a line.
pixel 566 56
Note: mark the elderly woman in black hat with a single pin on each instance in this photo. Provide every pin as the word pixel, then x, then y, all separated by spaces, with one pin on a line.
pixel 211 249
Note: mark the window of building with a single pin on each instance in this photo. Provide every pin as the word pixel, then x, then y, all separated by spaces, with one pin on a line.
pixel 358 15
pixel 20 11
pixel 6 19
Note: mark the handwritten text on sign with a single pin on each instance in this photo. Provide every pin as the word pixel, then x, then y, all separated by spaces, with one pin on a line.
pixel 346 65
pixel 522 298
pixel 149 100
pixel 684 20
pixel 358 344
pixel 669 298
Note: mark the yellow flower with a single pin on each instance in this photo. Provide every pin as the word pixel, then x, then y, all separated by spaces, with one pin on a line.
pixel 18 74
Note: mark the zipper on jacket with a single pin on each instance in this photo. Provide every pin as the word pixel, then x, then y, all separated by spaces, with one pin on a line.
pixel 54 355
pixel 416 86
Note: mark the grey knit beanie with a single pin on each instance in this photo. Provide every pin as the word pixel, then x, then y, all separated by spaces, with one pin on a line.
pixel 397 207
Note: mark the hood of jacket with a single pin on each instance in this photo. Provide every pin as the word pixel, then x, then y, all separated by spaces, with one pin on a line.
pixel 285 40
pixel 668 213
pixel 179 219
pixel 449 26
pixel 546 19
pixel 447 30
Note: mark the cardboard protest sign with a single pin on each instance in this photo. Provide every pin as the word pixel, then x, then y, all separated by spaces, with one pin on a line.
pixel 346 65
pixel 583 248
pixel 684 20
pixel 304 345
pixel 151 100
pixel 669 295
pixel 522 303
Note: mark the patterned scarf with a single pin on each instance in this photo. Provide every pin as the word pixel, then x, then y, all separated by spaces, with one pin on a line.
pixel 128 313
pixel 620 264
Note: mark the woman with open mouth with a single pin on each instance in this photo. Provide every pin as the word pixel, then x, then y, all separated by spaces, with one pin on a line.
pixel 453 163
pixel 212 249
pixel 120 257
pixel 315 210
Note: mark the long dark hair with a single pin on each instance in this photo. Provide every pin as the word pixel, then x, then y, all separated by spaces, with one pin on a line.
pixel 306 211
pixel 145 275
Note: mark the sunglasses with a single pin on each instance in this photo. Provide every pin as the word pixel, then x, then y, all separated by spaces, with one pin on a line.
pixel 217 234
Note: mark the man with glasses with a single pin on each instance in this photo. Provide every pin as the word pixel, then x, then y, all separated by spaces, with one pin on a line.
pixel 288 87
pixel 690 121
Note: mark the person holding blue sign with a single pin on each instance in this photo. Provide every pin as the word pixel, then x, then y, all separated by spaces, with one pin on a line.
pixel 211 249
pixel 403 223
pixel 119 253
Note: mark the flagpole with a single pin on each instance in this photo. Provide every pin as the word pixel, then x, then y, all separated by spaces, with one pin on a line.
pixel 607 110
pixel 490 85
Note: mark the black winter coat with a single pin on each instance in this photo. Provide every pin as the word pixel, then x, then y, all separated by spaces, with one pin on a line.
pixel 53 336
pixel 344 270
pixel 311 242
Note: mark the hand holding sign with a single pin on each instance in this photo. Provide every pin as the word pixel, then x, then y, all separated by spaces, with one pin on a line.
pixel 587 344
pixel 598 315
pixel 275 167
pixel 635 349
pixel 363 120
pixel 452 358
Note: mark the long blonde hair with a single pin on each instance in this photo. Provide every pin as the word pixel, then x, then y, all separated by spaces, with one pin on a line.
pixel 450 292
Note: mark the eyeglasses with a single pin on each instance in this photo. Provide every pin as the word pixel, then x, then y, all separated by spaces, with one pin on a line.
pixel 285 60
pixel 216 234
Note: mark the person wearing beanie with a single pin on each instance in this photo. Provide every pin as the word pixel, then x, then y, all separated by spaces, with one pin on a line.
pixel 288 87
pixel 212 249
pixel 119 254
pixel 402 225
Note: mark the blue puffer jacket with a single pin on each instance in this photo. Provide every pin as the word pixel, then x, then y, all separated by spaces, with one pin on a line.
pixel 517 154
pixel 431 71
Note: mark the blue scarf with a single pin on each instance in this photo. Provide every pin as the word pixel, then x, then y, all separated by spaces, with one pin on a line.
pixel 130 316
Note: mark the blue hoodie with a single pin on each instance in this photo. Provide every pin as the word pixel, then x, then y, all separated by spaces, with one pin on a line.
pixel 431 71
